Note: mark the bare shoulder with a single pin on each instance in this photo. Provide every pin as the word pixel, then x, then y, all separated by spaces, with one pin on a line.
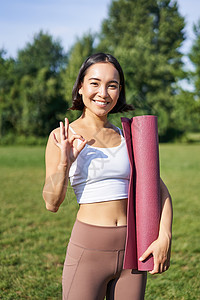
pixel 117 129
pixel 55 132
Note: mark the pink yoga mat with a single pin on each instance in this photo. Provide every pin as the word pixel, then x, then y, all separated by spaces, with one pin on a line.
pixel 143 215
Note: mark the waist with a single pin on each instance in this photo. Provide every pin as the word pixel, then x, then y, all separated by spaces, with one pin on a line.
pixel 98 237
pixel 107 213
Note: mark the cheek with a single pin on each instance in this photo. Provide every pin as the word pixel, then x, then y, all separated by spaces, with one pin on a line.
pixel 88 92
pixel 115 96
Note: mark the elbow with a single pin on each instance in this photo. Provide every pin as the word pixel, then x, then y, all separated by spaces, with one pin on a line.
pixel 51 208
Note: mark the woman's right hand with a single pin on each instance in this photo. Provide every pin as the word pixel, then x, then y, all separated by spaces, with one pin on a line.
pixel 69 151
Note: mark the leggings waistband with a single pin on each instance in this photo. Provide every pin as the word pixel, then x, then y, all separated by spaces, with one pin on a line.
pixel 96 237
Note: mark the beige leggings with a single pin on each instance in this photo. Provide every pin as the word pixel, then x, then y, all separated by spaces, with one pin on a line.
pixel 93 266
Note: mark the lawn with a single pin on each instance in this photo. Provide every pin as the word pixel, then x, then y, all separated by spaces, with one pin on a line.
pixel 33 240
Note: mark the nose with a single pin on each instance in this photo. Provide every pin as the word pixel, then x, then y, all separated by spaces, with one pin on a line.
pixel 103 92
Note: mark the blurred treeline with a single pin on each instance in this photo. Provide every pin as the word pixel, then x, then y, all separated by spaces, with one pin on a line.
pixel 146 37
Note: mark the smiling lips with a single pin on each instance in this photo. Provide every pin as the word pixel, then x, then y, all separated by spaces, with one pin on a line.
pixel 101 103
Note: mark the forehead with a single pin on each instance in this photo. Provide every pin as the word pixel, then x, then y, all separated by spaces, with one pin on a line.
pixel 103 71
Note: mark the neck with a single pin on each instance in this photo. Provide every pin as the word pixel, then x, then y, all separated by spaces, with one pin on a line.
pixel 94 120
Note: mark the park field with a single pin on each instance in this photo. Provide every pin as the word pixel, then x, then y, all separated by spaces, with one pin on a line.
pixel 33 240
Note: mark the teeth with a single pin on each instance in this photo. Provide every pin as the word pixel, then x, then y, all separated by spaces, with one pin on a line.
pixel 100 102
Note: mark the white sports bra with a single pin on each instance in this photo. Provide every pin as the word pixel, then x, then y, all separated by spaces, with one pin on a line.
pixel 100 174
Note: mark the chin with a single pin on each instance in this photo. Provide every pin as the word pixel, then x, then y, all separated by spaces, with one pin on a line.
pixel 101 114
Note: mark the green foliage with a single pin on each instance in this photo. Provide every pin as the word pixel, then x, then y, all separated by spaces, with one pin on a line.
pixel 186 112
pixel 194 56
pixel 13 139
pixel 33 241
pixel 8 92
pixel 31 96
pixel 43 52
pixel 41 101
pixel 186 105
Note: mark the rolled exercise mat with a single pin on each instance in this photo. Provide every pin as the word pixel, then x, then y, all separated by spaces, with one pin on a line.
pixel 146 185
pixel 130 257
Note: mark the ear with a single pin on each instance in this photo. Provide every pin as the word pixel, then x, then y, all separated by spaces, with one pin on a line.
pixel 80 90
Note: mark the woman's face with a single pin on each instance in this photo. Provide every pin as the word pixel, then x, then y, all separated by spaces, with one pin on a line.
pixel 100 88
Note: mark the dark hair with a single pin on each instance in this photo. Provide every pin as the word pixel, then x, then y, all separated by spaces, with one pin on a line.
pixel 77 102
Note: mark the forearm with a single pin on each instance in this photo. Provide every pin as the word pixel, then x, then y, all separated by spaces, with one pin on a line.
pixel 166 213
pixel 55 188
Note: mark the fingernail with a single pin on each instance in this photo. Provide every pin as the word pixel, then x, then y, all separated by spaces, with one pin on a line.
pixel 140 259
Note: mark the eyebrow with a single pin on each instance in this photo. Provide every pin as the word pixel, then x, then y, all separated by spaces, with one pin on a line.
pixel 111 81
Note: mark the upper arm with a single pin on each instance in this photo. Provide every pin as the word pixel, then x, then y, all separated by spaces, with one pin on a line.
pixel 52 154
pixel 164 191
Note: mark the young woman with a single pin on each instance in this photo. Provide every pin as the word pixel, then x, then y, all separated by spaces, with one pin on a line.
pixel 92 153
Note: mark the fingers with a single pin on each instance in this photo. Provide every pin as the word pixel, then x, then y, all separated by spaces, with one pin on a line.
pixel 66 127
pixel 62 132
pixel 156 269
pixel 146 254
pixel 81 146
pixel 66 142
pixel 78 148
pixel 161 259
pixel 159 268
pixel 161 264
pixel 76 136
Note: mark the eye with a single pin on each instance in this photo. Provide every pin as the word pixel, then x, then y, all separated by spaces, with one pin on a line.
pixel 113 86
pixel 94 84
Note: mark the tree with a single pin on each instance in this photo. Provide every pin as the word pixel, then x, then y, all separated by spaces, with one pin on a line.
pixel 194 56
pixel 41 102
pixel 42 52
pixel 145 35
pixel 38 68
pixel 9 108
pixel 186 112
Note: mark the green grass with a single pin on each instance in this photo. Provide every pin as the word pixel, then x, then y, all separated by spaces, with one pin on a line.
pixel 33 240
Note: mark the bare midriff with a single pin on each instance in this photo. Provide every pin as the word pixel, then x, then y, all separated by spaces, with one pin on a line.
pixel 107 213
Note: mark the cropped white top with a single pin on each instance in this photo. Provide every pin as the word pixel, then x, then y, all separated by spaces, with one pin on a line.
pixel 100 174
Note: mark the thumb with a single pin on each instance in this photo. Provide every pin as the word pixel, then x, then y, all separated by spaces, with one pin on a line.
pixel 146 254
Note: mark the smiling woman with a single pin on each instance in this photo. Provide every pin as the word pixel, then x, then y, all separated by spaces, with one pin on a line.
pixel 92 153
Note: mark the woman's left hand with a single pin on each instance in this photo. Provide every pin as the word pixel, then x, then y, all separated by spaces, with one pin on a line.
pixel 160 249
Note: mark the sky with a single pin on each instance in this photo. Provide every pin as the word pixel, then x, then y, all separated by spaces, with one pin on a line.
pixel 66 20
